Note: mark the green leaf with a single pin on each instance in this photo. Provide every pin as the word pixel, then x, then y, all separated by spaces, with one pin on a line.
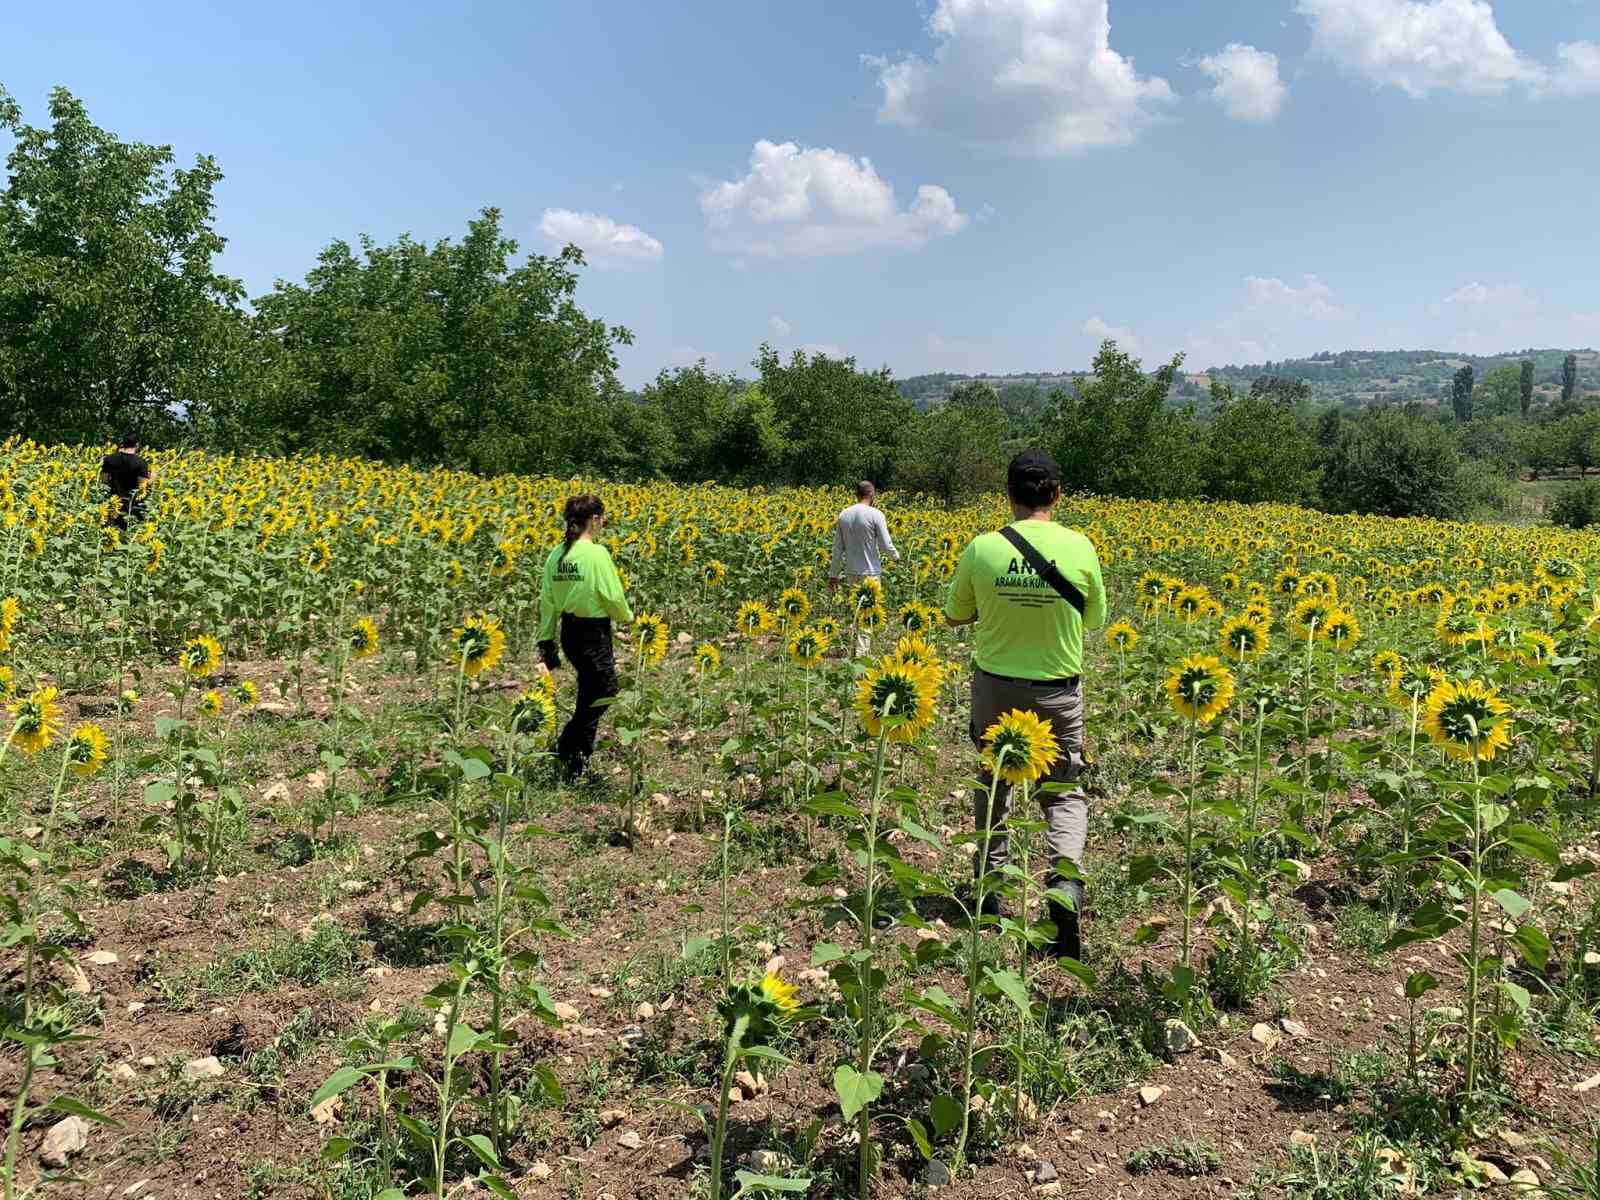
pixel 1513 904
pixel 72 1106
pixel 945 1112
pixel 483 1148
pixel 1420 983
pixel 1517 994
pixel 339 1082
pixel 1012 987
pixel 1535 946
pixel 824 953
pixel 1533 843
pixel 919 1135
pixel 336 1148
pixel 855 1089
pixel 750 1181
pixel 463 1040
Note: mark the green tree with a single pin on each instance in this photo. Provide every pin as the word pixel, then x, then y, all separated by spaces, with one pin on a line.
pixel 1280 388
pixel 1569 376
pixel 1461 393
pixel 442 354
pixel 751 446
pixel 1259 451
pixel 1525 385
pixel 1394 463
pixel 112 313
pixel 694 404
pixel 838 422
pixel 1500 393
pixel 1115 435
pixel 955 452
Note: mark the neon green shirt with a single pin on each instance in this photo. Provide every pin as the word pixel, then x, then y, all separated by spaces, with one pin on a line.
pixel 1025 630
pixel 585 583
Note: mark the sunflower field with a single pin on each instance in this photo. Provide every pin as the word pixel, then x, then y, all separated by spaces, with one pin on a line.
pixel 294 903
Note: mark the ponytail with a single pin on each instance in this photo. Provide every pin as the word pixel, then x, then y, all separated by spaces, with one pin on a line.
pixel 579 511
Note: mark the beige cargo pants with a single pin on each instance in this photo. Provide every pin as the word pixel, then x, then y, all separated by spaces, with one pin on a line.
pixel 1066 814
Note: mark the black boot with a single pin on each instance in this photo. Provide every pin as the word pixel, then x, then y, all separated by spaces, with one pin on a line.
pixel 1068 940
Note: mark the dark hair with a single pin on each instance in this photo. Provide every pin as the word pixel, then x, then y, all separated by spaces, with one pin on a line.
pixel 580 510
pixel 130 441
pixel 1033 479
pixel 865 489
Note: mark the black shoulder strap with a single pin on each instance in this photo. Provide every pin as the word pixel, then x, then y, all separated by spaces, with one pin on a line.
pixel 1047 571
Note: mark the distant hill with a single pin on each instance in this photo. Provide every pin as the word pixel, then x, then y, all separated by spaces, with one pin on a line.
pixel 1348 377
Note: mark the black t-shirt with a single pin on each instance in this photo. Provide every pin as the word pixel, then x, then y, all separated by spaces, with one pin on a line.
pixel 124 469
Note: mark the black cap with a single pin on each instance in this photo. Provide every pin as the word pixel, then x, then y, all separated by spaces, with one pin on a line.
pixel 1033 467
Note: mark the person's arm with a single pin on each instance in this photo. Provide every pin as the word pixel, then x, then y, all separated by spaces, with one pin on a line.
pixel 888 542
pixel 608 589
pixel 1094 596
pixel 549 648
pixel 961 602
pixel 836 563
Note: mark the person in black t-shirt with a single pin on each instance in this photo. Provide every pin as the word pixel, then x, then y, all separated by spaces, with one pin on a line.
pixel 127 474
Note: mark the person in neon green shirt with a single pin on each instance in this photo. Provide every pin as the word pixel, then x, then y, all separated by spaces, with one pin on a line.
pixel 1028 655
pixel 580 597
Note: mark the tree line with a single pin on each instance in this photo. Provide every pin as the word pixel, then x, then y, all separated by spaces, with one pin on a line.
pixel 114 315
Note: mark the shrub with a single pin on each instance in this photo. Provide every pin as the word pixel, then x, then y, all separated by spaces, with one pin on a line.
pixel 1578 506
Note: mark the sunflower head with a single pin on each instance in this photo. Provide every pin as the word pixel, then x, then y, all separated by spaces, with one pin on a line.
pixel 1200 687
pixel 201 656
pixel 828 627
pixel 917 617
pixel 1311 615
pixel 707 658
pixel 754 618
pixel 128 701
pixel 86 750
pixel 764 1008
pixel 211 703
pixel 1243 638
pixel 317 556
pixel 914 649
pixel 1537 648
pixel 806 648
pixel 1021 747
pixel 870 619
pixel 246 694
pixel 868 593
pixel 363 638
pixel 1466 720
pixel 1388 667
pixel 479 643
pixel 793 606
pixel 1341 630
pixel 650 634
pixel 534 712
pixel 713 573
pixel 1122 637
pixel 896 698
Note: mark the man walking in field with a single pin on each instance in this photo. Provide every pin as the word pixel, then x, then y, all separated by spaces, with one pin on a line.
pixel 1032 589
pixel 127 474
pixel 860 540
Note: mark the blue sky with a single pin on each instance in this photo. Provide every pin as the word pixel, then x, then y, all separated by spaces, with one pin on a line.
pixel 956 185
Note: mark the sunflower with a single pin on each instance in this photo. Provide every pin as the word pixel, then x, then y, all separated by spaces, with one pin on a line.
pixel 1342 629
pixel 317 556
pixel 1230 581
pixel 1243 638
pixel 1259 610
pixel 1152 589
pixel 868 593
pixel 807 647
pixel 201 656
pixel 913 649
pixel 1286 582
pixel 534 712
pixel 708 658
pixel 86 750
pixel 480 642
pixel 1459 627
pixel 246 694
pixel 828 627
pixel 363 638
pixel 917 617
pixel 760 1009
pixel 37 717
pixel 793 606
pixel 713 573
pixel 1504 642
pixel 455 573
pixel 1538 648
pixel 1021 746
pixel 779 993
pixel 896 696
pixel 1413 683
pixel 1200 687
pixel 8 683
pixel 650 631
pixel 1388 667
pixel 1311 615
pixel 10 609
pixel 1190 603
pixel 1466 720
pixel 211 703
pixel 503 561
pixel 128 701
pixel 1122 636
pixel 754 618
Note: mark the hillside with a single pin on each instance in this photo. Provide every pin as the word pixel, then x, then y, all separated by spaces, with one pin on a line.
pixel 1349 377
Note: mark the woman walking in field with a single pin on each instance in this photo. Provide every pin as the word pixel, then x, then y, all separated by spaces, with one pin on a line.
pixel 581 596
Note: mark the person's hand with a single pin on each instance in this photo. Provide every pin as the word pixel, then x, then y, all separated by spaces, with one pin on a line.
pixel 544 671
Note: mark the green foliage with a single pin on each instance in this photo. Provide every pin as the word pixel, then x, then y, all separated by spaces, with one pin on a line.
pixel 1569 376
pixel 1114 434
pixel 1393 464
pixel 1461 393
pixel 1578 506
pixel 838 423
pixel 955 452
pixel 1525 385
pixel 1259 450
pixel 1501 392
pixel 111 309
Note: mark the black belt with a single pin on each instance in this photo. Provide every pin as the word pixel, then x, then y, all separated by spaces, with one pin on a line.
pixel 1070 682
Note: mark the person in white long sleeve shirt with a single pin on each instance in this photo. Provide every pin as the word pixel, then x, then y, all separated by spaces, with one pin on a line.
pixel 860 540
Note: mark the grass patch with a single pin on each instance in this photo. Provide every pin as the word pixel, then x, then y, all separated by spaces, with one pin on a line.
pixel 1180 1156
pixel 328 953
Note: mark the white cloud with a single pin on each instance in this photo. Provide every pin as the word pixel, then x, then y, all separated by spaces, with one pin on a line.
pixel 1421 46
pixel 825 348
pixel 780 327
pixel 687 356
pixel 1036 77
pixel 1313 299
pixel 1475 295
pixel 603 241
pixel 1101 330
pixel 797 201
pixel 1247 84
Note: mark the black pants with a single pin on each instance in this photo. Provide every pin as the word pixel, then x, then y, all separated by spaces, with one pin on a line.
pixel 586 641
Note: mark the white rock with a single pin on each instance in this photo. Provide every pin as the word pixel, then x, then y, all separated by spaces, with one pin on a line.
pixel 1302 1139
pixel 565 1011
pixel 541 1170
pixel 1588 1085
pixel 644 1012
pixel 629 1140
pixel 328 1111
pixel 1180 1039
pixel 100 958
pixel 1150 1093
pixel 600 993
pixel 123 1072
pixel 1294 1028
pixel 1263 1034
pixel 66 1137
pixel 203 1068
